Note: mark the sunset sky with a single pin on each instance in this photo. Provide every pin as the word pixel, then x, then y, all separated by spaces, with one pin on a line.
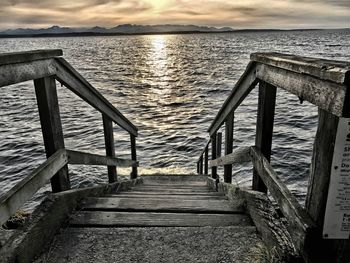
pixel 234 13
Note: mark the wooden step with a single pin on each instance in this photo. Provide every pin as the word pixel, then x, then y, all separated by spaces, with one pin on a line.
pixel 136 192
pixel 141 219
pixel 145 189
pixel 172 187
pixel 158 205
pixel 167 197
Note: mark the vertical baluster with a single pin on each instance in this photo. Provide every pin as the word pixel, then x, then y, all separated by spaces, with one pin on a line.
pixel 206 160
pixel 218 144
pixel 213 154
pixel 133 156
pixel 110 149
pixel 264 127
pixel 201 165
pixel 228 146
pixel 46 95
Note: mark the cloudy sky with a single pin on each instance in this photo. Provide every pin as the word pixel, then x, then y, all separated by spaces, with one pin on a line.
pixel 234 13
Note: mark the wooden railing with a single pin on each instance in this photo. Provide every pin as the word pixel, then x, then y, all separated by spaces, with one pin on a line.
pixel 326 85
pixel 45 67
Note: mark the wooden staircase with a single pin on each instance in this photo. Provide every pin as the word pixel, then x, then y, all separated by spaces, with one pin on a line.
pixel 160 204
pixel 158 221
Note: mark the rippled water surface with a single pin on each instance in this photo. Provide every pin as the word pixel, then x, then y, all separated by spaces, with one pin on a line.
pixel 170 87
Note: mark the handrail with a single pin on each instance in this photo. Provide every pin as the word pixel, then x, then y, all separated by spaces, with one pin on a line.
pixel 70 78
pixel 44 67
pixel 241 90
pixel 76 157
pixel 26 188
pixel 325 84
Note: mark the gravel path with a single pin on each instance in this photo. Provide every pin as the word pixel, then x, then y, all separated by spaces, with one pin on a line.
pixel 154 244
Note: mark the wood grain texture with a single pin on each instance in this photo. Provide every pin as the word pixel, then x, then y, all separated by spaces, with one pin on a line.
pixel 206 160
pixel 110 148
pixel 228 146
pixel 264 127
pixel 180 193
pixel 331 70
pixel 158 205
pixel 29 56
pixel 240 155
pixel 327 95
pixel 141 219
pixel 134 173
pixel 16 73
pixel 75 157
pixel 51 126
pixel 169 196
pixel 23 191
pixel 213 154
pixel 300 223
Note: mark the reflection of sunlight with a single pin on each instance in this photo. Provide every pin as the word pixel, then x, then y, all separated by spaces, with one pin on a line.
pixel 158 52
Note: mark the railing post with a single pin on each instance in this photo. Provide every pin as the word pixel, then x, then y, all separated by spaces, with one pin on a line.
pixel 206 160
pixel 264 127
pixel 201 165
pixel 317 194
pixel 110 149
pixel 133 174
pixel 228 146
pixel 213 154
pixel 218 144
pixel 46 95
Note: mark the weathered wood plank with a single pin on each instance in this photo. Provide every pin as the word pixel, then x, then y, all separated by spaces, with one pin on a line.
pixel 155 205
pixel 23 191
pixel 110 149
pixel 16 73
pixel 75 157
pixel 169 196
pixel 213 154
pixel 28 56
pixel 139 219
pixel 264 127
pixel 46 96
pixel 70 78
pixel 206 160
pixel 298 220
pixel 228 146
pixel 242 88
pixel 218 144
pixel 324 94
pixel 133 174
pixel 175 187
pixel 332 70
pixel 240 155
pixel 144 192
pixel 321 165
pixel 172 191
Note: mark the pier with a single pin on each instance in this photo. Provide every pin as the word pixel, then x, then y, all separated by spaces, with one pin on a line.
pixel 185 218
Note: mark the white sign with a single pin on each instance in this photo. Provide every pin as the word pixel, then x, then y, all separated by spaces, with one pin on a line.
pixel 337 217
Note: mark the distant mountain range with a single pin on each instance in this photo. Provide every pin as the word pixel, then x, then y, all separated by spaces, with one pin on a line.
pixel 129 29
pixel 121 29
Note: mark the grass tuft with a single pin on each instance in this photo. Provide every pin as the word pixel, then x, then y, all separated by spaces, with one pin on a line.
pixel 262 254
